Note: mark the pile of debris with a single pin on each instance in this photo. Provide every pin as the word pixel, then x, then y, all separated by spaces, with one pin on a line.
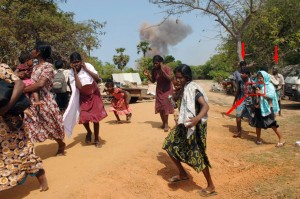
pixel 217 88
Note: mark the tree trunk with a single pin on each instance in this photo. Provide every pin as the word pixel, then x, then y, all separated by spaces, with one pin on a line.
pixel 239 47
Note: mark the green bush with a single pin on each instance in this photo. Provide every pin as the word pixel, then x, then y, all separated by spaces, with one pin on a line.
pixel 218 75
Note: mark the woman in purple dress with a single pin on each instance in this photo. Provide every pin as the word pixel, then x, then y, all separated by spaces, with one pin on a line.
pixel 162 74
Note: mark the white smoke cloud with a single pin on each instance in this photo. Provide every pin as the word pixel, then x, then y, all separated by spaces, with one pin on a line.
pixel 161 37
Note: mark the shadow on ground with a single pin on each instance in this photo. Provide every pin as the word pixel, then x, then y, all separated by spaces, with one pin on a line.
pixel 170 170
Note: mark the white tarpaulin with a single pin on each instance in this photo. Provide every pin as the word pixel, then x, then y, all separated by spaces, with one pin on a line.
pixel 130 77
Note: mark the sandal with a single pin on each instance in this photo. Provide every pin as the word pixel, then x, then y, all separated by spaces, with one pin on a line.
pixel 176 179
pixel 206 193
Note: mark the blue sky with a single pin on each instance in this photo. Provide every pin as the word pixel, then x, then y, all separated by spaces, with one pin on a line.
pixel 124 19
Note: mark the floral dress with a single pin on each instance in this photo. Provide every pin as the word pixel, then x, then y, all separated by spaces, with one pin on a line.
pixel 46 122
pixel 118 103
pixel 17 157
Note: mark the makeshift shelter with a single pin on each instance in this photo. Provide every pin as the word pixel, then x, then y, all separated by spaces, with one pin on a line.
pixel 123 78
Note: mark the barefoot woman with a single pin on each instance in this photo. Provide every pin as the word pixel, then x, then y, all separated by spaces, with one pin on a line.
pixel 162 75
pixel 47 122
pixel 17 157
pixel 86 101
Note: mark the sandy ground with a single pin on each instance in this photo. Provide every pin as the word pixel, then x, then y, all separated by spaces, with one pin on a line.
pixel 131 163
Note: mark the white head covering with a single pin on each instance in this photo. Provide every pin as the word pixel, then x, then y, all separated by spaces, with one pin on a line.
pixel 274 80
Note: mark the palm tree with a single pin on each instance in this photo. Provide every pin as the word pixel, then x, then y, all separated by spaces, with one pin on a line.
pixel 120 60
pixel 143 46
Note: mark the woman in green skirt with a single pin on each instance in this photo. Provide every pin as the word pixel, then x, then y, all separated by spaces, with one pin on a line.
pixel 187 141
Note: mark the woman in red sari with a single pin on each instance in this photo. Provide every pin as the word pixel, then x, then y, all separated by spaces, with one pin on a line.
pixel 84 78
pixel 46 121
pixel 162 74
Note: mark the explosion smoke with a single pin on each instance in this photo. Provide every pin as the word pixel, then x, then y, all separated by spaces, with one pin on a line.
pixel 161 37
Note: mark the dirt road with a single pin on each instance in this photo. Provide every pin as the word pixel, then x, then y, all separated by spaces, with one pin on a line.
pixel 131 164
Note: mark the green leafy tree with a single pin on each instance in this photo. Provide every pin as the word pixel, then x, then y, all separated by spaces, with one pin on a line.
pixel 25 22
pixel 96 63
pixel 277 24
pixel 145 63
pixel 216 67
pixel 168 59
pixel 144 47
pixel 120 60
pixel 197 72
pixel 129 70
pixel 174 64
pixel 107 70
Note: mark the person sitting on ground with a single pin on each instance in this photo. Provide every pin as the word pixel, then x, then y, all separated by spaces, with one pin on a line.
pixel 119 102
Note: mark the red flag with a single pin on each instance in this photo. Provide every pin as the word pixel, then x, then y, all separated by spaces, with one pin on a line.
pixel 276 54
pixel 243 50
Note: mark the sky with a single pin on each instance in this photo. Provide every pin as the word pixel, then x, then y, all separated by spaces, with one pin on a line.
pixel 126 18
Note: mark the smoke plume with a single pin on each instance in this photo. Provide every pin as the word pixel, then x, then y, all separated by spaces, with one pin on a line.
pixel 161 37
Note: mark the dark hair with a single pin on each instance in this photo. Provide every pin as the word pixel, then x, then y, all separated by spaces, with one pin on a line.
pixel 157 58
pixel 109 82
pixel 275 71
pixel 75 56
pixel 59 64
pixel 24 56
pixel 44 49
pixel 246 71
pixel 185 70
pixel 243 64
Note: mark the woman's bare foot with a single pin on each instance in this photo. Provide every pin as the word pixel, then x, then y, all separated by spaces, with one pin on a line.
pixel 97 142
pixel 210 189
pixel 61 148
pixel 128 117
pixel 28 113
pixel 239 135
pixel 166 128
pixel 41 176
